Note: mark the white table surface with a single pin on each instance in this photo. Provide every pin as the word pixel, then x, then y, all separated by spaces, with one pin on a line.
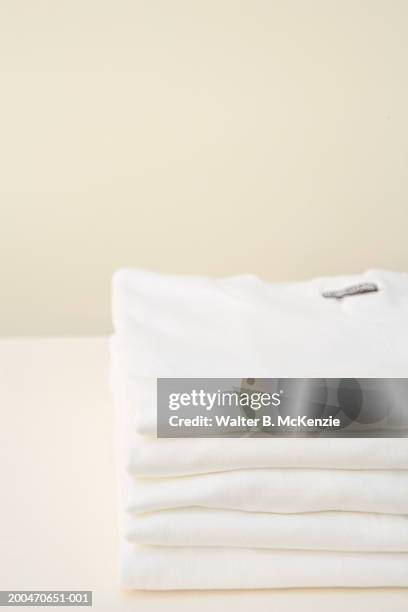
pixel 58 516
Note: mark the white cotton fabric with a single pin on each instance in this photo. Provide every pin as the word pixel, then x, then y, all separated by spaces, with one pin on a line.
pixel 243 326
pixel 142 392
pixel 148 456
pixel 164 568
pixel 257 513
pixel 276 490
pixel 152 457
pixel 331 531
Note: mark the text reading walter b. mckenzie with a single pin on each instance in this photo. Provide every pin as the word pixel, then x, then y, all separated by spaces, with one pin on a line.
pixel 261 421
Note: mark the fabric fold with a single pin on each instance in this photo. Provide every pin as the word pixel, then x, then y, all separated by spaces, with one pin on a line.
pixel 152 457
pixel 164 568
pixel 330 531
pixel 276 490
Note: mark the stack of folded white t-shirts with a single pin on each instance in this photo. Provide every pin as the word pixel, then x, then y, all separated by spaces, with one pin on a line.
pixel 214 513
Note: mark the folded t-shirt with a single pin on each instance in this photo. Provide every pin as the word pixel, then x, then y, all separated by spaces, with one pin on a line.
pixel 342 531
pixel 275 490
pixel 152 457
pixel 180 326
pixel 163 567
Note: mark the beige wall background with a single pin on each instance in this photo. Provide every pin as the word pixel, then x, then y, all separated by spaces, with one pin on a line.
pixel 206 136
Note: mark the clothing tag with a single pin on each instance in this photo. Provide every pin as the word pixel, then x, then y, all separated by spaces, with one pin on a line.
pixel 351 290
